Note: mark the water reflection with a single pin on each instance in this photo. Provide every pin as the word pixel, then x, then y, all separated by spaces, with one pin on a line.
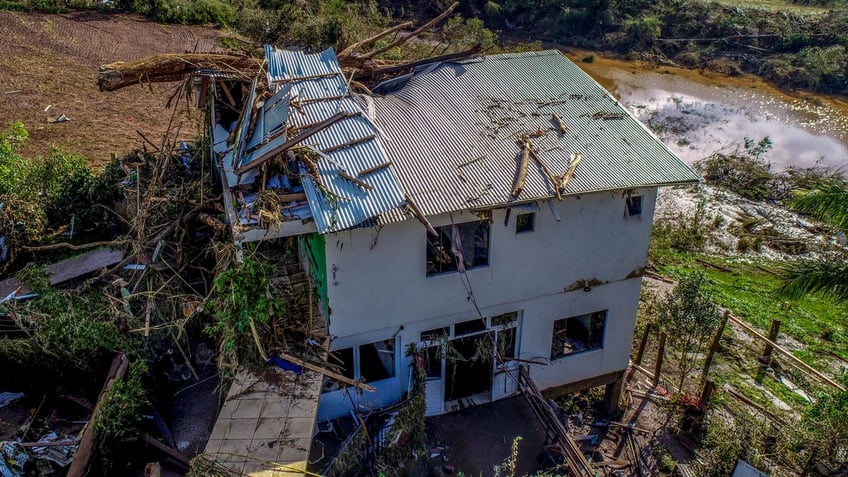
pixel 697 119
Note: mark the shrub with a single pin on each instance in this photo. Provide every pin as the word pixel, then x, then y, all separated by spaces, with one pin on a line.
pixel 742 171
pixel 641 33
pixel 192 12
pixel 122 412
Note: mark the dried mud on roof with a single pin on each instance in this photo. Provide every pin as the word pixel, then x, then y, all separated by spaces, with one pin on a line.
pixel 51 59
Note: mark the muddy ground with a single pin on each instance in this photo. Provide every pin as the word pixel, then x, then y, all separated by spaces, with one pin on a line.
pixel 53 60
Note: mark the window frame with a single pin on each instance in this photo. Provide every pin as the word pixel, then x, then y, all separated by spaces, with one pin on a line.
pixel 444 251
pixel 593 342
pixel 528 228
pixel 631 204
pixel 357 359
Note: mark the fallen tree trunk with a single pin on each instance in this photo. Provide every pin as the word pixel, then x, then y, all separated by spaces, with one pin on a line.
pixel 173 67
pixel 88 439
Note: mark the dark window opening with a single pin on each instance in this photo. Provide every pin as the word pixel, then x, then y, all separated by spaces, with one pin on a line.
pixel 377 360
pixel 634 205
pixel 467 375
pixel 524 223
pixel 456 247
pixel 433 361
pixel 345 362
pixel 470 326
pixel 345 356
pixel 578 333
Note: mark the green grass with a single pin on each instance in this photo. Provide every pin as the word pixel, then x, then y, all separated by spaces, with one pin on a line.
pixel 778 5
pixel 749 293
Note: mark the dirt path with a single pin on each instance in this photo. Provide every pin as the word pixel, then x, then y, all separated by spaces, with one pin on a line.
pixel 53 60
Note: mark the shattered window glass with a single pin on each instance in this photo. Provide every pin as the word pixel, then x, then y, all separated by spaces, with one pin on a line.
pixel 458 247
pixel 377 360
pixel 578 333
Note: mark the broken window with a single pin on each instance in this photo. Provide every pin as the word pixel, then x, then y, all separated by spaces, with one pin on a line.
pixel 345 356
pixel 634 205
pixel 377 360
pixel 458 247
pixel 578 333
pixel 524 222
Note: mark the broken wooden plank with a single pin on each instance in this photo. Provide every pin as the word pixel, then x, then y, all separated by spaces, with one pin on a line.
pixel 326 372
pixel 350 143
pixel 13 285
pixel 305 134
pixel 575 161
pixel 790 356
pixel 88 438
pixel 538 159
pixel 523 165
pixel 419 215
pixel 374 169
pixel 560 124
pixel 344 175
pixel 286 198
pixel 82 264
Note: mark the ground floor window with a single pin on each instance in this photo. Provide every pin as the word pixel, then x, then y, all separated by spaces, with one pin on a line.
pixel 369 362
pixel 578 333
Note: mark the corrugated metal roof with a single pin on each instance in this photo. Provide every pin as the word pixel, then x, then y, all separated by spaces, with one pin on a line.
pixel 286 65
pixel 312 89
pixel 451 131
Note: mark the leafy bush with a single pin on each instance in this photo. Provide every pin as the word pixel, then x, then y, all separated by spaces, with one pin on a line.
pixel 689 317
pixel 244 300
pixel 683 233
pixel 40 194
pixel 641 33
pixel 122 412
pixel 192 12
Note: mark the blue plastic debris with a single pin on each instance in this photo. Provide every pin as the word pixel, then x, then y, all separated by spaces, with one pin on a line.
pixel 285 365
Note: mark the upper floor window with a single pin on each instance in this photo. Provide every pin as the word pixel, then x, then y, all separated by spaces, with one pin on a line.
pixel 634 205
pixel 578 333
pixel 525 222
pixel 458 247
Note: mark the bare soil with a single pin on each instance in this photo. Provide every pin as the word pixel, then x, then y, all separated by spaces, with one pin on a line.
pixel 52 60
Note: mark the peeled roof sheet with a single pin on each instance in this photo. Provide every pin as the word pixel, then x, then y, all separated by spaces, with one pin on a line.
pixel 315 90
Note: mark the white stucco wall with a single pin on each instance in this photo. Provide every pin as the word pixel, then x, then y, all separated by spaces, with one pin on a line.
pixel 373 292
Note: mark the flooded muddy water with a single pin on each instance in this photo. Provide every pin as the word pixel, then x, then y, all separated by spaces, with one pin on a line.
pixel 696 113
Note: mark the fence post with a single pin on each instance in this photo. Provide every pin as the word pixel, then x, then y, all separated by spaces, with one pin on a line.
pixel 660 355
pixel 768 349
pixel 714 345
pixel 642 343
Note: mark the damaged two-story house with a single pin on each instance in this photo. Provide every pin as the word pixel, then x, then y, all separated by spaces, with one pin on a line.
pixel 490 213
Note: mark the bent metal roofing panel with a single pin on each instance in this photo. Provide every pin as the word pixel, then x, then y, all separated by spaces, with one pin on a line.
pixel 310 89
pixel 451 130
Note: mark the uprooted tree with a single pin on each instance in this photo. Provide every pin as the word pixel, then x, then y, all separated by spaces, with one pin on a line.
pixel 367 65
